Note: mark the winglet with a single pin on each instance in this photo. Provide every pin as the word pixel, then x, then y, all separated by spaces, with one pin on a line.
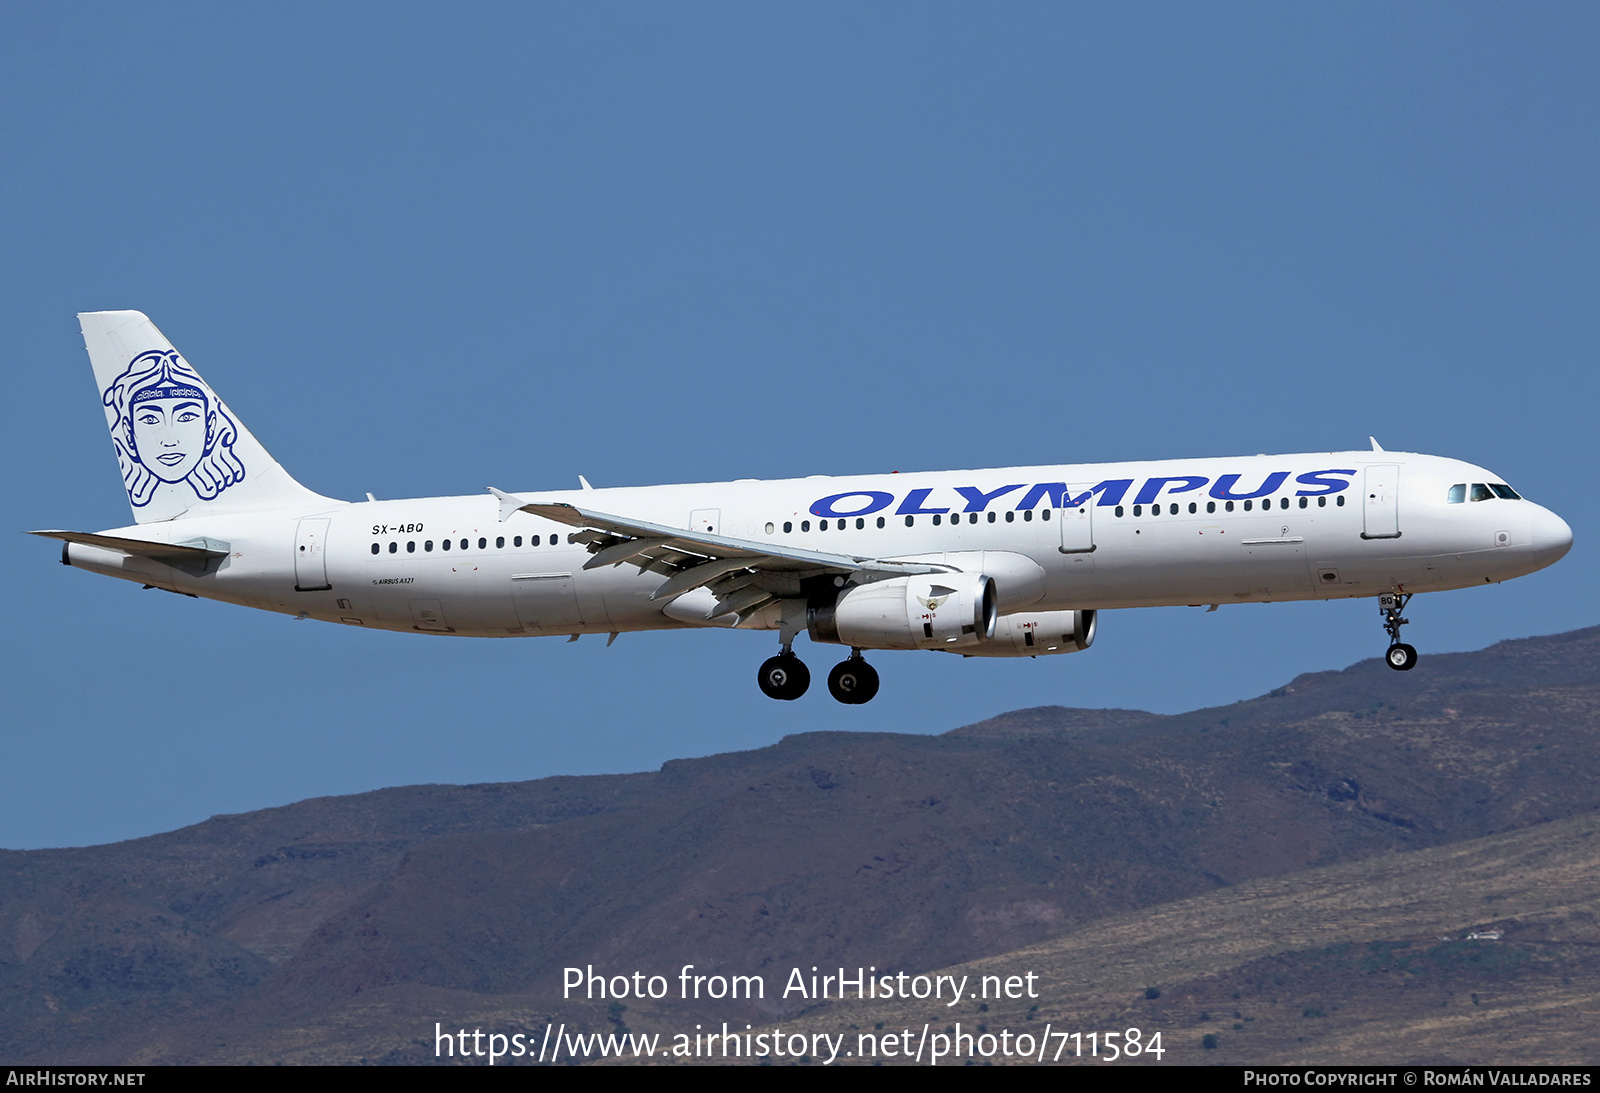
pixel 584 482
pixel 508 503
pixel 1375 445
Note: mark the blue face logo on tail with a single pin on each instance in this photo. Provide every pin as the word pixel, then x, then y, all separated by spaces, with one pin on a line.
pixel 168 427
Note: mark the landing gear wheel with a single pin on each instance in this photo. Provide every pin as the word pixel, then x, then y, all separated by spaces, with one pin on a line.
pixel 1401 657
pixel 784 677
pixel 853 681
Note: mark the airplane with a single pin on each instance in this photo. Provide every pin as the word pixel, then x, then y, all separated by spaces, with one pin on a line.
pixel 1006 562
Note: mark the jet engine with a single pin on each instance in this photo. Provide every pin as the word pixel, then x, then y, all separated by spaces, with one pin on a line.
pixel 1037 634
pixel 955 611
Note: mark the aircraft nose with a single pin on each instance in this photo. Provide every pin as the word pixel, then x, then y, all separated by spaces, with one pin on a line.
pixel 1552 538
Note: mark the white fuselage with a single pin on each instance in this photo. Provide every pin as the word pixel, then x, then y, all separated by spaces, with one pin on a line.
pixel 1159 533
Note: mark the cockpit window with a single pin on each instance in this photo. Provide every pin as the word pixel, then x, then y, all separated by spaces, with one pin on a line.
pixel 1504 491
pixel 1458 493
pixel 1480 492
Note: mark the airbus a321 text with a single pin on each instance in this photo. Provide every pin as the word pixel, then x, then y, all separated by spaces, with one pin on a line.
pixel 1010 562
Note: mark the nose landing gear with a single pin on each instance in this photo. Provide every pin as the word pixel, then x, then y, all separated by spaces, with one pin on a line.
pixel 853 681
pixel 1401 657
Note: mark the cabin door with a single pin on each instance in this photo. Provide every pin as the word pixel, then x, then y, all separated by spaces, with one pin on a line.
pixel 1077 527
pixel 1381 503
pixel 311 556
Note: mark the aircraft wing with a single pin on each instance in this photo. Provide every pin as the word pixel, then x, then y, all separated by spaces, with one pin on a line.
pixel 744 574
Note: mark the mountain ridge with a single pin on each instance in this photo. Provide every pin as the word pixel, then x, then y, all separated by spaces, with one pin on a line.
pixel 890 849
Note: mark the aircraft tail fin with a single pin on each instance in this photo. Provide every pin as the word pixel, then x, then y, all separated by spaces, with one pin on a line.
pixel 181 451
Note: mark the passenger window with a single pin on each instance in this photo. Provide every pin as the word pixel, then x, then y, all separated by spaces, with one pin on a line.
pixel 1228 505
pixel 517 541
pixel 427 546
pixel 500 542
pixel 1211 506
pixel 1283 502
pixel 445 544
pixel 1457 494
pixel 1173 511
pixel 1193 508
pixel 860 523
pixel 1322 502
pixel 1119 511
pixel 1138 510
pixel 769 527
pixel 1247 505
pixel 483 544
pixel 1340 501
pixel 991 518
pixel 1304 501
pixel 1480 492
pixel 1504 492
pixel 936 519
pixel 393 547
pixel 911 521
pixel 1011 516
pixel 805 525
pixel 411 547
pixel 1044 514
pixel 1028 514
pixel 788 526
pixel 374 548
pixel 822 525
pixel 880 521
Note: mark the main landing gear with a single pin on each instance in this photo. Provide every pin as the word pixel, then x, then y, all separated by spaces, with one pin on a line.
pixel 785 677
pixel 1401 657
pixel 853 681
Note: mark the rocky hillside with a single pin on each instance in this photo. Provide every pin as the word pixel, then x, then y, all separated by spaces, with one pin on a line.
pixel 332 929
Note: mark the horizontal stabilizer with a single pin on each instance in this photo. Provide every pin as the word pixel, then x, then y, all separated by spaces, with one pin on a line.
pixel 193 555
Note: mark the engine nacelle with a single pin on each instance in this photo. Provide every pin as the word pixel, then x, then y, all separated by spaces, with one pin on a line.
pixel 1037 634
pixel 955 611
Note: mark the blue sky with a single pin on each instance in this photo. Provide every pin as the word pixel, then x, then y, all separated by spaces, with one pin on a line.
pixel 425 249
